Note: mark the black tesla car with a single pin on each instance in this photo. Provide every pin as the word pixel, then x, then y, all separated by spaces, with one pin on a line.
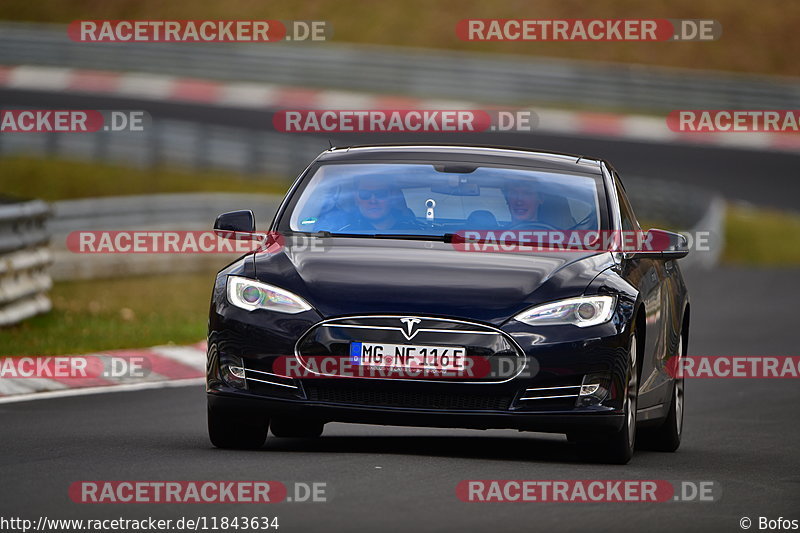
pixel 398 285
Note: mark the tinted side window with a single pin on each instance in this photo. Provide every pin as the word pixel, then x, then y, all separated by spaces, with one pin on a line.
pixel 629 222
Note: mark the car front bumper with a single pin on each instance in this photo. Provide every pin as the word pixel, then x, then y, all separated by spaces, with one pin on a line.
pixel 546 422
pixel 545 395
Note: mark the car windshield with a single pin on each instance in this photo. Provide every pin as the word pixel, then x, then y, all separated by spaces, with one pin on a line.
pixel 438 199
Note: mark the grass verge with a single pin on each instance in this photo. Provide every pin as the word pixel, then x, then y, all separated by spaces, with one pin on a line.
pixel 762 39
pixel 90 316
pixel 60 179
pixel 761 237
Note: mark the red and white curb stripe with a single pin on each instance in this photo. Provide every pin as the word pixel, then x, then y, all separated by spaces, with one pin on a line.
pixel 167 366
pixel 269 96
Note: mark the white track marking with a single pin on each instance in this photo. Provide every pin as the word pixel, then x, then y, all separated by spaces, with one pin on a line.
pixel 102 390
pixel 188 355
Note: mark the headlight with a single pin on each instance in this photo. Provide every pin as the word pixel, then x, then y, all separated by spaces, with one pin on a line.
pixel 250 294
pixel 582 312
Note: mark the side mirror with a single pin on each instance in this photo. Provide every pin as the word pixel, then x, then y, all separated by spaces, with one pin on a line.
pixel 235 225
pixel 661 244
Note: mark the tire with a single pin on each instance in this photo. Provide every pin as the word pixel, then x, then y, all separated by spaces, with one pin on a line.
pixel 291 428
pixel 231 430
pixel 667 436
pixel 618 447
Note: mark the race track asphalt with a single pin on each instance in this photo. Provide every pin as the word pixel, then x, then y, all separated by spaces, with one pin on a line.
pixel 740 433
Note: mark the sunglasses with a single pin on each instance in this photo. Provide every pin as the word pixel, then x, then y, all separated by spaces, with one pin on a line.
pixel 379 194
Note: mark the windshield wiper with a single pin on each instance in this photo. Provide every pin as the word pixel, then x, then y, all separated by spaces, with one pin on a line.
pixel 328 234
pixel 450 238
pixel 541 245
pixel 409 236
pixel 404 236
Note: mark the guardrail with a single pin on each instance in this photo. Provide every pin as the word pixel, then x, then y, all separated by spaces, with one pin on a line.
pixel 24 260
pixel 491 78
pixel 178 143
pixel 173 212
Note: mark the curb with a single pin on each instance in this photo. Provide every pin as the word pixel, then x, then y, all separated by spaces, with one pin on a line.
pixel 159 87
pixel 167 366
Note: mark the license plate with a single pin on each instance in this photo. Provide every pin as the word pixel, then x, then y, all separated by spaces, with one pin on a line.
pixel 411 357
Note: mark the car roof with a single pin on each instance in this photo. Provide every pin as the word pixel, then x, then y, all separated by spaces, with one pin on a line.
pixel 463 153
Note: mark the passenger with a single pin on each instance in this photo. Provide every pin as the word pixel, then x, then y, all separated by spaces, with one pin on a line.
pixel 523 201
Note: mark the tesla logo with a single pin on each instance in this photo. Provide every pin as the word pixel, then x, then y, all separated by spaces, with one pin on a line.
pixel 410 323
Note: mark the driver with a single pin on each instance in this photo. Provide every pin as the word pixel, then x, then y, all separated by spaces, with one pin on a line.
pixel 380 206
pixel 523 201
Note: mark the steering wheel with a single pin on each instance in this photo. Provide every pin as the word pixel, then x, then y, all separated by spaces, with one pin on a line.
pixel 531 224
pixel 410 223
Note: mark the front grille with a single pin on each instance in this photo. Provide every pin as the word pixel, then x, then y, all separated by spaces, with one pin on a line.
pixel 495 355
pixel 414 400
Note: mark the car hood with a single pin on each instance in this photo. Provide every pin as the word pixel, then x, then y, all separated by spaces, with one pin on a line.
pixel 348 276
